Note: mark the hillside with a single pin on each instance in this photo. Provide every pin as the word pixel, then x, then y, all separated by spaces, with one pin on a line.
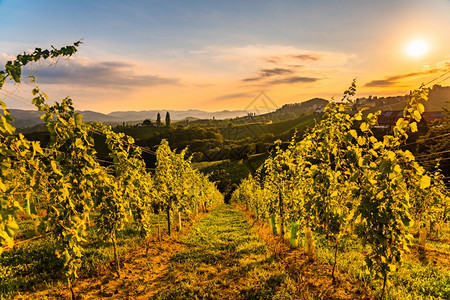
pixel 283 128
pixel 286 112
pixel 438 98
pixel 176 115
pixel 30 118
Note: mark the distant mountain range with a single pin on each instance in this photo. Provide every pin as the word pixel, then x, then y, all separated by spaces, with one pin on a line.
pixel 176 115
pixel 30 118
pixel 439 98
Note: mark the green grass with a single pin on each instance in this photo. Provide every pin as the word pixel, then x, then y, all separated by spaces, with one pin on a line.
pixel 142 133
pixel 235 168
pixel 224 258
pixel 231 171
pixel 412 280
pixel 210 165
pixel 281 128
pixel 35 263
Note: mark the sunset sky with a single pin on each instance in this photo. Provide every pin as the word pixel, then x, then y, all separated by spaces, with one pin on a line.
pixel 217 55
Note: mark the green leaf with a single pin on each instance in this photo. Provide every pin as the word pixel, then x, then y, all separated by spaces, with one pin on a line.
pixel 78 119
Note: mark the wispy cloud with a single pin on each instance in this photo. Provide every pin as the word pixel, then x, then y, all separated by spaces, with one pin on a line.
pixel 275 54
pixel 234 96
pixel 107 74
pixel 307 57
pixel 394 80
pixel 294 79
pixel 275 64
pixel 304 57
pixel 4 58
pixel 265 73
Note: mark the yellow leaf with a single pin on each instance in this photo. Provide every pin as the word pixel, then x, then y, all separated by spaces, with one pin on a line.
pixel 361 140
pixel 420 108
pixel 364 127
pixel 391 155
pixel 417 116
pixel 12 224
pixel 409 155
pixel 2 186
pixel 425 182
pixel 399 123
pixel 377 145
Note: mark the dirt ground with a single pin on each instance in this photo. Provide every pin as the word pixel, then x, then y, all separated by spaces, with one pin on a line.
pixel 312 277
pixel 206 261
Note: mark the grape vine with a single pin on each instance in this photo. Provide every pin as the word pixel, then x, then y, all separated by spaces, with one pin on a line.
pixel 69 185
pixel 341 180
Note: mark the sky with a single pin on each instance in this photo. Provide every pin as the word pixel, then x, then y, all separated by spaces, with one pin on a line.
pixel 220 55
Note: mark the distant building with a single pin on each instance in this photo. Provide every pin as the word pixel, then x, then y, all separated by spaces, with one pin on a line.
pixel 430 116
pixel 388 119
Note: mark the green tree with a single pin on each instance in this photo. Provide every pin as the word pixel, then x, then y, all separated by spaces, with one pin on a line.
pixel 167 119
pixel 158 120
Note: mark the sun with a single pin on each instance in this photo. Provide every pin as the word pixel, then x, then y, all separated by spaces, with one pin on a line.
pixel 417 48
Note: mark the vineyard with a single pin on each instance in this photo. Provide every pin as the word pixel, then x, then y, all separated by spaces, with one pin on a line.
pixel 342 184
pixel 354 209
pixel 63 189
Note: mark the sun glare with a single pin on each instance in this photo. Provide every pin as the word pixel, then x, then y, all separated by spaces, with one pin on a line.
pixel 417 48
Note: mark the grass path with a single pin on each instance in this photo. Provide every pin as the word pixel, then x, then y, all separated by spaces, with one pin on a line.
pixel 224 259
pixel 221 256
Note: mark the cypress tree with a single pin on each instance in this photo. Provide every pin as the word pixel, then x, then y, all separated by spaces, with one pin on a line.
pixel 167 119
pixel 158 120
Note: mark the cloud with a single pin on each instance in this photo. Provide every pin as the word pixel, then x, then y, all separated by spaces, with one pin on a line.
pixel 107 74
pixel 304 57
pixel 274 54
pixel 393 80
pixel 4 58
pixel 307 57
pixel 233 96
pixel 273 64
pixel 265 73
pixel 294 79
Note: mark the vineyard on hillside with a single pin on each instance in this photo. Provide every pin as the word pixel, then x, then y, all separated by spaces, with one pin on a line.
pixel 64 188
pixel 346 201
pixel 341 183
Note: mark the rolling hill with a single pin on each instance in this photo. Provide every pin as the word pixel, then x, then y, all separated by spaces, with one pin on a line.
pixel 439 98
pixel 30 118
